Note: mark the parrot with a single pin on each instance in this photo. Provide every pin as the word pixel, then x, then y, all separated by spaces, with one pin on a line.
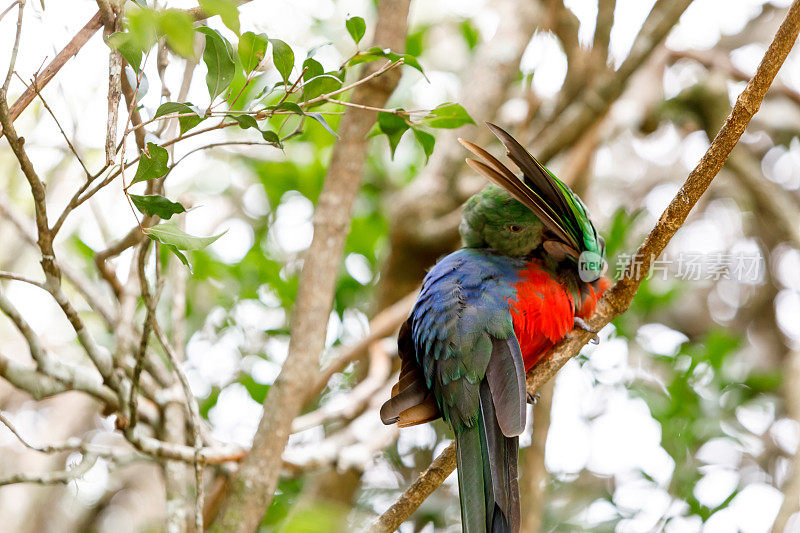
pixel 531 268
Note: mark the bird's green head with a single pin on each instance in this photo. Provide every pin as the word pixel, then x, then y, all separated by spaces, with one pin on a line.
pixel 494 219
pixel 551 206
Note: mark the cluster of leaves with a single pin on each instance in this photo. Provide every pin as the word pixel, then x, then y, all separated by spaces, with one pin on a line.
pixel 244 90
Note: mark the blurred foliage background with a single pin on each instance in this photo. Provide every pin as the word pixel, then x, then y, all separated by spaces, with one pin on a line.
pixel 684 417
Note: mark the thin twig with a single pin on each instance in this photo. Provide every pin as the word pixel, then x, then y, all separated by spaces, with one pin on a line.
pixel 52 478
pixel 385 68
pixel 70 445
pixel 195 422
pixel 147 326
pixel 9 8
pixel 33 86
pixel 14 51
pixel 217 144
pixel 17 277
pixel 69 51
pixel 399 112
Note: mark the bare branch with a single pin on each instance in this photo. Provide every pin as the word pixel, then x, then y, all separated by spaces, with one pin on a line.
pixel 195 423
pixel 72 445
pixel 8 308
pixel 76 278
pixel 55 119
pixel 594 102
pixel 40 385
pixel 112 19
pixel 408 502
pixel 17 277
pixel 350 404
pixel 58 477
pixel 602 29
pixel 9 8
pixel 384 324
pixel 14 51
pixel 147 326
pixel 166 450
pixel 72 48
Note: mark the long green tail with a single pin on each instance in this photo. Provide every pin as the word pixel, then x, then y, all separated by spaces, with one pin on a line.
pixel 487 473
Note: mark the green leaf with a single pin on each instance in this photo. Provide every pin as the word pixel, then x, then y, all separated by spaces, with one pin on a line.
pixel 426 140
pixel 177 27
pixel 413 62
pixel 356 27
pixel 448 116
pixel 152 163
pixel 245 121
pixel 227 10
pixel 186 122
pixel 142 27
pixel 393 126
pixel 376 52
pixel 218 57
pixel 170 234
pixel 271 137
pixel 156 205
pixel 126 45
pixel 180 255
pixel 287 106
pixel 313 51
pixel 283 57
pixel 252 49
pixel 316 81
pixel 319 118
pixel 415 41
pixel 470 34
pixel 311 69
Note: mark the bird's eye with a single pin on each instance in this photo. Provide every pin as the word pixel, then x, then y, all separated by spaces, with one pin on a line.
pixel 513 228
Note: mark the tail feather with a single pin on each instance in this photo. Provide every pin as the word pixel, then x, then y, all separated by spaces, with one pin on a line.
pixel 487 473
pixel 471 485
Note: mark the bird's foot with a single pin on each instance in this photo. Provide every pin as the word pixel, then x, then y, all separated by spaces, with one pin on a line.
pixel 533 399
pixel 579 323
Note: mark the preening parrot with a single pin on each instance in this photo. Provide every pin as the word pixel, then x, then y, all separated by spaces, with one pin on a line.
pixel 531 268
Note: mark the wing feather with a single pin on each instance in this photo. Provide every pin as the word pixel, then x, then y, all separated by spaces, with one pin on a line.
pixel 506 377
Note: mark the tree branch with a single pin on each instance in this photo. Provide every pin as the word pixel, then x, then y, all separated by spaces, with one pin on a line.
pixel 57 477
pixel 602 29
pixel 565 129
pixel 255 483
pixel 69 51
